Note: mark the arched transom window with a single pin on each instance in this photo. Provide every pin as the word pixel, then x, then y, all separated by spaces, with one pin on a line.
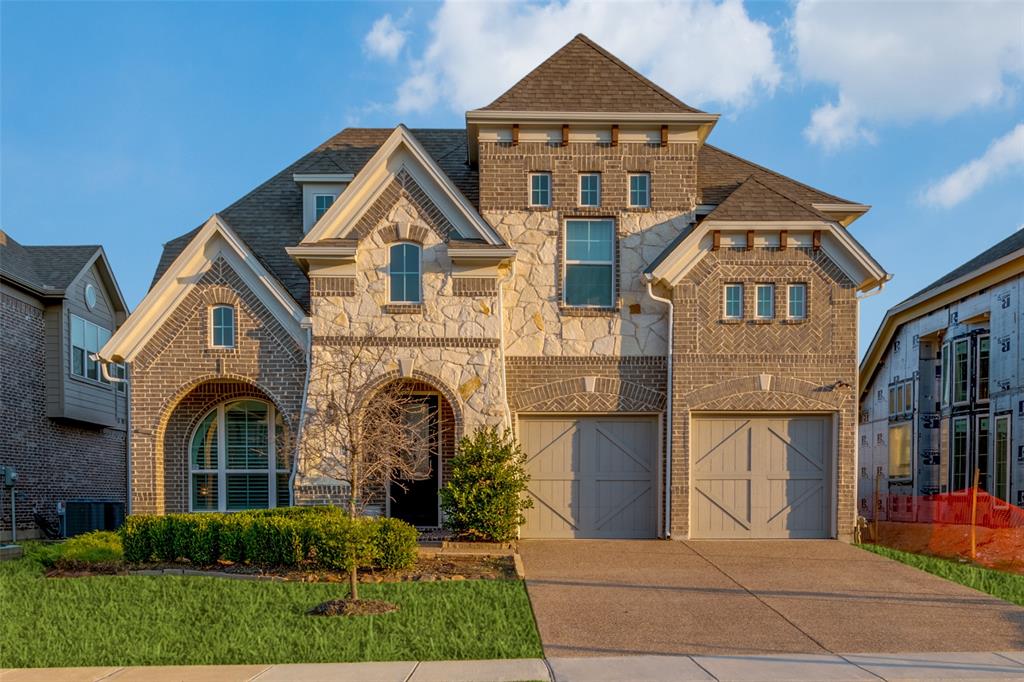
pixel 404 273
pixel 239 459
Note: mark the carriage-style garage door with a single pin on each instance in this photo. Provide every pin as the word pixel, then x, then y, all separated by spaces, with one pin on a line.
pixel 591 477
pixel 761 477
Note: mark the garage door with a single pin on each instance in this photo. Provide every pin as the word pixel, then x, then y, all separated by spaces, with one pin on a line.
pixel 761 477
pixel 591 477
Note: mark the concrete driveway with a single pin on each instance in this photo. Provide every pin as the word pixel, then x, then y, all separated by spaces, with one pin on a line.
pixel 613 597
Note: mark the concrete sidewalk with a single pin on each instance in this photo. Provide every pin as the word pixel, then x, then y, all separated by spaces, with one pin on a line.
pixel 929 667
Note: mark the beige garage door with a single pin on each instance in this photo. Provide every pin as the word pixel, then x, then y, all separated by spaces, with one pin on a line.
pixel 761 477
pixel 591 477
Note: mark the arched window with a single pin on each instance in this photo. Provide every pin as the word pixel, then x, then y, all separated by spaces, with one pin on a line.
pixel 239 459
pixel 222 326
pixel 404 273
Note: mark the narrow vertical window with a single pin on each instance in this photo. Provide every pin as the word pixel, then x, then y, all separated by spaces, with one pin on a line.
pixel 540 189
pixel 960 373
pixel 899 451
pixel 944 379
pixel 797 296
pixel 733 301
pixel 983 368
pixel 765 301
pixel 1001 459
pixel 222 327
pixel 323 202
pixel 590 189
pixel 982 452
pixel 640 190
pixel 589 263
pixel 958 452
pixel 404 273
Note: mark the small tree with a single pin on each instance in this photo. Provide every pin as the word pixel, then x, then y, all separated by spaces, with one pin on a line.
pixel 365 436
pixel 484 497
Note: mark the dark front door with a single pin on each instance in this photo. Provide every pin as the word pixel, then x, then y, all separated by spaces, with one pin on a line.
pixel 415 501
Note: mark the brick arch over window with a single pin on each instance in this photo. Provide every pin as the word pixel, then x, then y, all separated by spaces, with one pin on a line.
pixel 589 394
pixel 423 381
pixel 220 295
pixel 181 414
pixel 783 393
pixel 390 234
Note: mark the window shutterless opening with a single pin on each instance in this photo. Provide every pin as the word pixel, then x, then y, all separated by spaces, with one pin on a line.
pixel 797 301
pixel 640 190
pixel 86 340
pixel 540 189
pixel 732 301
pixel 590 189
pixel 405 268
pixel 589 263
pixel 764 301
pixel 982 369
pixel 321 202
pixel 222 326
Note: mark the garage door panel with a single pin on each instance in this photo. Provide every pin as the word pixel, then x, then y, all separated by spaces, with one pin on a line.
pixel 591 476
pixel 724 447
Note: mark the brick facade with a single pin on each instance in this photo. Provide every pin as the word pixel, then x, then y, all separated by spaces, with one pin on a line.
pixel 55 460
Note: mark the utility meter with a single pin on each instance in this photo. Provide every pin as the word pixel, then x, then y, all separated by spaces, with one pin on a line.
pixel 10 476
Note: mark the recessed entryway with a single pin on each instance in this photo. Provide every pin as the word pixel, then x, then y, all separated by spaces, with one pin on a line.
pixel 591 477
pixel 761 476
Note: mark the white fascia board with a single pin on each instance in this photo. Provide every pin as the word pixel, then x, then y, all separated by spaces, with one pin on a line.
pixel 322 177
pixel 488 116
pixel 110 282
pixel 215 239
pixel 311 252
pixel 841 208
pixel 373 178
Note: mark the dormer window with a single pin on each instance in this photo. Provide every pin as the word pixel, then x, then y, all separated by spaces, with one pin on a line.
pixel 322 203
pixel 404 270
pixel 222 326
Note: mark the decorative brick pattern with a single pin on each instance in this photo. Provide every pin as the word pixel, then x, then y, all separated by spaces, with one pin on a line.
pixel 407 341
pixel 55 460
pixel 560 384
pixel 332 286
pixel 474 286
pixel 403 185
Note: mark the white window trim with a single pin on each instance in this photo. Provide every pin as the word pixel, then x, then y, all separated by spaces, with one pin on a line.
pixel 977 450
pixel 419 256
pixel 234 326
pixel 977 367
pixel 629 189
pixel 85 362
pixel 789 301
pixel 222 471
pixel 725 301
pixel 967 372
pixel 967 453
pixel 757 298
pixel 317 195
pixel 566 262
pixel 530 189
pixel 992 435
pixel 579 190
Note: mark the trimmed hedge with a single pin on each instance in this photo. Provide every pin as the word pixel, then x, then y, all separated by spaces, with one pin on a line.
pixel 287 537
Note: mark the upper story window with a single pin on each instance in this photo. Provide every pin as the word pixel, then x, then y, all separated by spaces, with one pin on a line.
pixel 589 263
pixel 239 459
pixel 404 271
pixel 590 189
pixel 86 340
pixel 1001 458
pixel 322 202
pixel 984 355
pixel 765 301
pixel 797 300
pixel 733 298
pixel 540 189
pixel 222 326
pixel 640 190
pixel 960 371
pixel 901 399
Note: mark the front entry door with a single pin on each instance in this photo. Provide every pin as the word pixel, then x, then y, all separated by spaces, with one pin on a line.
pixel 415 501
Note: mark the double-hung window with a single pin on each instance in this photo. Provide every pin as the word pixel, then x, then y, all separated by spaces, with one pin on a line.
pixel 640 190
pixel 958 452
pixel 589 263
pixel 86 340
pixel 540 189
pixel 982 373
pixel 322 203
pixel 733 301
pixel 899 450
pixel 960 371
pixel 765 301
pixel 944 378
pixel 404 271
pixel 1001 458
pixel 797 301
pixel 982 450
pixel 222 326
pixel 590 189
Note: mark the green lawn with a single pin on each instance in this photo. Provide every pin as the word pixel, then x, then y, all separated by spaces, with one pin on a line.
pixel 168 620
pixel 1008 586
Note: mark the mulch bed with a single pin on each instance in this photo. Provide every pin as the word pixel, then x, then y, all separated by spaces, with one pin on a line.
pixel 349 607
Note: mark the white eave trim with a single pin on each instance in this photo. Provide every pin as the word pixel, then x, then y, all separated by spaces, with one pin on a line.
pixel 322 177
pixel 488 116
pixel 842 208
pixel 471 254
pixel 321 251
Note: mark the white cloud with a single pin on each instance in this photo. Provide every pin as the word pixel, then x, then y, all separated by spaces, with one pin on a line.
pixel 385 39
pixel 703 52
pixel 905 61
pixel 1002 156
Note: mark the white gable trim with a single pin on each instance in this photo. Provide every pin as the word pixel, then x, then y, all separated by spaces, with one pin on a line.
pixel 400 150
pixel 855 262
pixel 215 239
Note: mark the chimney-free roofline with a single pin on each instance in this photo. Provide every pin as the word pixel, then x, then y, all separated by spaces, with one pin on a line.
pixel 489 116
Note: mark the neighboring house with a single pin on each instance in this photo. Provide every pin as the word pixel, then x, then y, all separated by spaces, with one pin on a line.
pixel 942 386
pixel 670 329
pixel 63 424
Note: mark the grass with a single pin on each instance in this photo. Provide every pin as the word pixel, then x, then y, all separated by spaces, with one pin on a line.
pixel 170 620
pixel 1006 586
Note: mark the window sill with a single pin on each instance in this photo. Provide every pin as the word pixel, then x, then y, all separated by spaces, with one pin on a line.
pixel 794 320
pixel 90 382
pixel 726 320
pixel 402 308
pixel 762 321
pixel 584 311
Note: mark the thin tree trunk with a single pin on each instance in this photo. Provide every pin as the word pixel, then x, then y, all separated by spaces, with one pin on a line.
pixel 353 585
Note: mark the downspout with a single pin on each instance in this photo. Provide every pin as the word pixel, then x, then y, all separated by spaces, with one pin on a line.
pixel 307 324
pixel 668 409
pixel 105 371
pixel 501 343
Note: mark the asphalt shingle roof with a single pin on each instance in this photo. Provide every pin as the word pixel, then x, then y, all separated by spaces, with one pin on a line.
pixel 584 77
pixel 754 200
pixel 719 173
pixel 1014 242
pixel 44 268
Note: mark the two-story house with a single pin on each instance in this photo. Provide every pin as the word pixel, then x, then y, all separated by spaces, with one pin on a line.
pixel 942 390
pixel 63 422
pixel 670 329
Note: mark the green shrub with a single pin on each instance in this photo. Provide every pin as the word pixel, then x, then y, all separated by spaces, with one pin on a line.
pixel 272 541
pixel 97 547
pixel 395 544
pixel 137 538
pixel 196 537
pixel 232 536
pixel 484 498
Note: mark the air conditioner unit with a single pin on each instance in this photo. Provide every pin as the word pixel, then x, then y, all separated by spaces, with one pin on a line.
pixel 82 516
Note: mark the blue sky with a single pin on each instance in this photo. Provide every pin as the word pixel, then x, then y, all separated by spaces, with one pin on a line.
pixel 128 124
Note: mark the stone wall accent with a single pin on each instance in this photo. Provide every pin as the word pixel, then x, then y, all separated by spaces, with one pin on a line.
pixel 474 286
pixel 591 384
pixel 717 366
pixel 404 187
pixel 332 286
pixel 177 362
pixel 55 460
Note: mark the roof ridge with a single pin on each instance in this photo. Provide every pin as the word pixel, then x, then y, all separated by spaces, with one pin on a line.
pixel 777 174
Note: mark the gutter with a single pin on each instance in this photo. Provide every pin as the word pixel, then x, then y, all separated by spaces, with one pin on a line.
pixel 307 324
pixel 668 408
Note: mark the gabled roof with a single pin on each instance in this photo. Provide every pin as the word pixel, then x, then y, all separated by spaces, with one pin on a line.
pixel 47 269
pixel 719 173
pixel 993 265
pixel 755 201
pixel 584 77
